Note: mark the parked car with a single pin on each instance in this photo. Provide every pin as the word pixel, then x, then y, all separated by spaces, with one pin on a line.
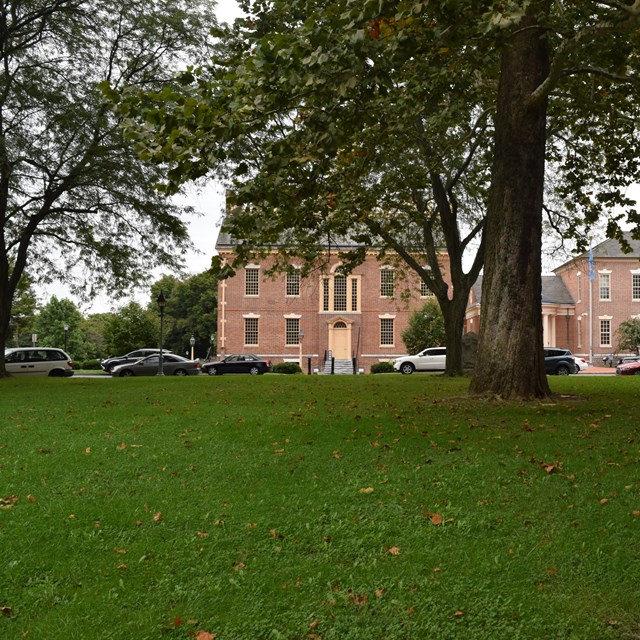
pixel 431 359
pixel 559 362
pixel 238 363
pixel 629 368
pixel 132 356
pixel 172 365
pixel 581 363
pixel 38 361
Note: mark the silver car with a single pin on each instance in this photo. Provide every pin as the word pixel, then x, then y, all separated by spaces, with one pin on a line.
pixel 431 359
pixel 172 365
pixel 38 361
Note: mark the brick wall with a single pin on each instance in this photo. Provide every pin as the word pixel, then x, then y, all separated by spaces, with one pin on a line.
pixel 617 309
pixel 271 307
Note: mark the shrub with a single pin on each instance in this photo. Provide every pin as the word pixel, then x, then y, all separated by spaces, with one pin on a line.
pixel 287 367
pixel 382 367
pixel 90 364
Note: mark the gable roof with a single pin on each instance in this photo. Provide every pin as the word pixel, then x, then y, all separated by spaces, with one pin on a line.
pixel 609 248
pixel 554 291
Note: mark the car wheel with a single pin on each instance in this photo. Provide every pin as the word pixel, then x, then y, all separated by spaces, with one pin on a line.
pixel 180 372
pixel 254 371
pixel 212 371
pixel 636 372
pixel 563 370
pixel 127 373
pixel 407 368
pixel 55 373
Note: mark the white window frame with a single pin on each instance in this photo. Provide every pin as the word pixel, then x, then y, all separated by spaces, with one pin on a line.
pixel 579 280
pixel 604 286
pixel 387 328
pixel 351 294
pixel 292 285
pixel 387 282
pixel 292 332
pixel 249 285
pixel 249 331
pixel 605 330
pixel 635 285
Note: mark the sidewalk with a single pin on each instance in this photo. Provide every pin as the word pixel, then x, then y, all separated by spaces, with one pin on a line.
pixel 601 371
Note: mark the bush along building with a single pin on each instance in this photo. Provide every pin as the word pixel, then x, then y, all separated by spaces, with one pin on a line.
pixel 326 321
pixel 585 301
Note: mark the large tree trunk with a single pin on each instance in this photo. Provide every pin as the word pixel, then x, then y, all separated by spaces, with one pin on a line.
pixel 453 312
pixel 510 349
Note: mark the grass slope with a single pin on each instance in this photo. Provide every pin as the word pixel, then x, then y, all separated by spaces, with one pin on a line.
pixel 327 508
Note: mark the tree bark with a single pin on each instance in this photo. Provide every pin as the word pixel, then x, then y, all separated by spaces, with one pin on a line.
pixel 453 312
pixel 510 360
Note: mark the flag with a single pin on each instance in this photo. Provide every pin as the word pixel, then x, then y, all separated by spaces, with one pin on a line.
pixel 592 271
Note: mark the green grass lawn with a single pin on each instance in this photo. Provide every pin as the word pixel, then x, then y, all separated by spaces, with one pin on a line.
pixel 322 508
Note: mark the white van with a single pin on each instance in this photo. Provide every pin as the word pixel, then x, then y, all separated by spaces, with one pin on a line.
pixel 38 361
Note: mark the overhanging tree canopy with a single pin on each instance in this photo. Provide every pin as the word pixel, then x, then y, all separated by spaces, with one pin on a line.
pixel 72 192
pixel 392 118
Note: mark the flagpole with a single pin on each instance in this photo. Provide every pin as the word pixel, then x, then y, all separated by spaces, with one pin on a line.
pixel 592 276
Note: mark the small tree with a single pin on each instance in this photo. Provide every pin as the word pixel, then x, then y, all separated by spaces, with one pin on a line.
pixel 22 312
pixel 51 321
pixel 191 310
pixel 628 335
pixel 425 329
pixel 130 328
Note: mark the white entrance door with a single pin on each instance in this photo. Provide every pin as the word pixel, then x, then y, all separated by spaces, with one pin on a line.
pixel 340 343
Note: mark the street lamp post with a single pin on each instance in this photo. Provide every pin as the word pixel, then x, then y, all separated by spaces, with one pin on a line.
pixel 66 332
pixel 192 342
pixel 162 302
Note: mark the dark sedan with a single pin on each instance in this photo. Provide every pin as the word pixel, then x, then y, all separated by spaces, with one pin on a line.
pixel 132 356
pixel 172 365
pixel 238 363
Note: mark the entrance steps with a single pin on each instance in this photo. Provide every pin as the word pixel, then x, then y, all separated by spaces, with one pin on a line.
pixel 340 367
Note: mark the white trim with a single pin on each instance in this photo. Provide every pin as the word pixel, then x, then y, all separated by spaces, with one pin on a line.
pixel 250 315
pixel 292 316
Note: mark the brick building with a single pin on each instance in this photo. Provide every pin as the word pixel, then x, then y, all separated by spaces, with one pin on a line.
pixel 356 318
pixel 359 318
pixel 581 313
pixel 605 295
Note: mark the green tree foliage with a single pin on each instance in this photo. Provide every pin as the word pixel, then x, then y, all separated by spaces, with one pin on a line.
pixel 628 335
pixel 93 328
pixel 129 328
pixel 192 309
pixel 49 326
pixel 397 123
pixel 23 312
pixel 425 328
pixel 72 192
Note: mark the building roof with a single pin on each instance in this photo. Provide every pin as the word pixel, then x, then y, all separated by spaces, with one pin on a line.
pixel 227 241
pixel 609 248
pixel 554 291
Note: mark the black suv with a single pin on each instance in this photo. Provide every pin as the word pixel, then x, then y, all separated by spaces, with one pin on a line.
pixel 109 363
pixel 559 362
